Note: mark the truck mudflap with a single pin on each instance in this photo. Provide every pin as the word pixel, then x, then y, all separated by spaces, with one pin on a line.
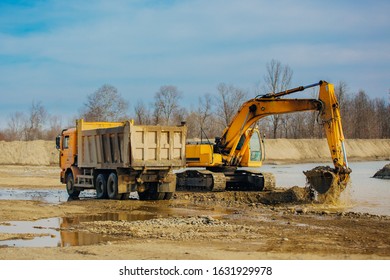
pixel 162 189
pixel 168 184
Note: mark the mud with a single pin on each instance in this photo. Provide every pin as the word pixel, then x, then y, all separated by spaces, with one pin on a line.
pixel 325 185
pixel 233 225
pixel 384 173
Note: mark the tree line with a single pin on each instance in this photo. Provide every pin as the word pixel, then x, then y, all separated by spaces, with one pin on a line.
pixel 362 116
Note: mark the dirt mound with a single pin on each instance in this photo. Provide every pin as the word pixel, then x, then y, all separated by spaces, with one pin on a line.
pixel 172 228
pixel 36 152
pixel 384 173
pixel 230 198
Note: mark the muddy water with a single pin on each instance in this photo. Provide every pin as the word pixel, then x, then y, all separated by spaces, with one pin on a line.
pixel 365 193
pixel 48 196
pixel 62 231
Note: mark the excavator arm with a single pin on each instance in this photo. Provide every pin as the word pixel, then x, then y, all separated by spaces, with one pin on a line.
pixel 271 104
pixel 321 179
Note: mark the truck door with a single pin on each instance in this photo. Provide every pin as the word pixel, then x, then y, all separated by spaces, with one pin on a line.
pixel 68 149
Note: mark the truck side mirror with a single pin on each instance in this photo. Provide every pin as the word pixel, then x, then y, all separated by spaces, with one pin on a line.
pixel 58 142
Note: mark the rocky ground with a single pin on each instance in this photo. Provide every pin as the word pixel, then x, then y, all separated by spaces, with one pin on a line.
pixel 282 225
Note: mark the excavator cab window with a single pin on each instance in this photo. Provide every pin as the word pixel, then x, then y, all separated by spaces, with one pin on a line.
pixel 255 147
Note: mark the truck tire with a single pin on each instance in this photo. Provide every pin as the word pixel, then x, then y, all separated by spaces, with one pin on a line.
pixel 101 186
pixel 152 194
pixel 112 187
pixel 72 192
pixel 168 195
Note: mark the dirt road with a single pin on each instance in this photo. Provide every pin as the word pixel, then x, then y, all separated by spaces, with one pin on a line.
pixel 190 226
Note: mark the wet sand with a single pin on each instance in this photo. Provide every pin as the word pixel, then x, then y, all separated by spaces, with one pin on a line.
pixel 190 226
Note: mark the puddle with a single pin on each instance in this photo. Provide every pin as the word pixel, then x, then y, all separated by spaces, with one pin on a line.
pixel 62 232
pixel 48 196
pixel 59 232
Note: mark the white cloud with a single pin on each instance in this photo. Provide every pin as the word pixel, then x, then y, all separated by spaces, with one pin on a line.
pixel 194 44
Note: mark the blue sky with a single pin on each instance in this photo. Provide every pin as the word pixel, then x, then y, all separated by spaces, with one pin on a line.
pixel 58 52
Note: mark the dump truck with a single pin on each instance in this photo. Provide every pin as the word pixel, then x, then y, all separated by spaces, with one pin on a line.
pixel 116 158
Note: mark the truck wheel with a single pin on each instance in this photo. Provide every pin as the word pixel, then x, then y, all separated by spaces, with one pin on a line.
pixel 72 192
pixel 101 186
pixel 151 196
pixel 112 187
pixel 157 195
pixel 168 195
pixel 143 195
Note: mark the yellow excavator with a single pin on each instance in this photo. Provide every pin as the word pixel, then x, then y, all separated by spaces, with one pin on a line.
pixel 232 162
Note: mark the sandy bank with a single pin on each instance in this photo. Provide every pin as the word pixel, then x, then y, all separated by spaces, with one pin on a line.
pixel 316 150
pixel 277 151
pixel 37 152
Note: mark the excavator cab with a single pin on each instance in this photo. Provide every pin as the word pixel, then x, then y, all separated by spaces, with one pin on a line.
pixel 254 153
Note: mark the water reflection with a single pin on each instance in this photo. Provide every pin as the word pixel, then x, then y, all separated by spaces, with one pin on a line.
pixel 62 232
pixel 48 196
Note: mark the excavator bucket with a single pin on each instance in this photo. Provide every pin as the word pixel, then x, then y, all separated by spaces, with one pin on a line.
pixel 320 178
pixel 327 182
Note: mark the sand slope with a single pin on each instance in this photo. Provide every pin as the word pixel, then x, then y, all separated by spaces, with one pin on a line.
pixel 312 150
pixel 37 152
pixel 277 150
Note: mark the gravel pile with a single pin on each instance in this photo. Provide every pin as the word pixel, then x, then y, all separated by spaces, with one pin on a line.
pixel 175 228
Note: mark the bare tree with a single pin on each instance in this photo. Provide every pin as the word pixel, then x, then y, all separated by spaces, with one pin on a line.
pixel 54 128
pixel 192 125
pixel 105 104
pixel 229 100
pixel 205 116
pixel 180 115
pixel 142 113
pixel 278 78
pixel 36 121
pixel 362 116
pixel 166 104
pixel 201 121
pixel 341 91
pixel 3 135
pixel 16 127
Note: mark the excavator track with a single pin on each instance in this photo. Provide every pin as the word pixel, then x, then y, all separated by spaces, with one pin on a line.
pixel 237 180
pixel 200 180
pixel 243 180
